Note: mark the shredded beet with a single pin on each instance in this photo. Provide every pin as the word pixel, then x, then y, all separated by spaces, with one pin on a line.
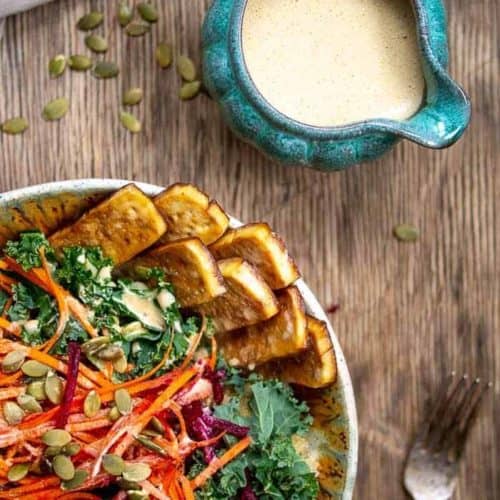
pixel 219 425
pixel 74 352
pixel 216 378
pixel 247 492
pixel 202 432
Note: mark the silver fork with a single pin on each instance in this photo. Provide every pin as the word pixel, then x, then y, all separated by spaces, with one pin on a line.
pixel 432 464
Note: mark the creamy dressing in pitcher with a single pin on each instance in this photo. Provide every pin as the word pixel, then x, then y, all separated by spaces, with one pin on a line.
pixel 334 62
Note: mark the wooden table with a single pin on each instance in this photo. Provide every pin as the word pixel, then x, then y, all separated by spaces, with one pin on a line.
pixel 409 313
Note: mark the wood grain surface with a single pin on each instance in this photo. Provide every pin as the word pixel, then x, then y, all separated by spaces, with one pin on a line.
pixel 409 313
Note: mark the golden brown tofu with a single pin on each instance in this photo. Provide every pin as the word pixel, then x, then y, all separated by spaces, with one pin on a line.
pixel 123 225
pixel 188 265
pixel 189 212
pixel 257 244
pixel 283 335
pixel 248 298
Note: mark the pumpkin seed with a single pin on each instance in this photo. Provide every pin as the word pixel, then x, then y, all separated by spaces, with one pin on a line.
pixel 148 12
pixel 13 361
pixel 14 126
pixel 136 472
pixel 79 478
pixel 157 426
pixel 94 344
pixel 110 353
pixel 29 404
pixel 130 122
pixel 57 65
pixel 120 365
pixel 150 445
pixel 96 43
pixel 123 401
pixel 113 464
pixel 124 14
pixel 186 68
pixel 12 413
pixel 55 109
pixel 136 28
pixel 56 437
pixel 406 233
pixel 137 495
pixel 18 472
pixel 52 451
pixel 54 389
pixel 92 404
pixel 128 485
pixel 79 62
pixel 37 390
pixel 132 96
pixel 114 414
pixel 190 90
pixel 34 368
pixel 105 69
pixel 90 21
pixel 63 467
pixel 71 449
pixel 163 54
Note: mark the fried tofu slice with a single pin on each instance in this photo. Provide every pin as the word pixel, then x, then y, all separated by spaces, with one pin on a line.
pixel 123 225
pixel 257 244
pixel 248 298
pixel 188 266
pixel 281 336
pixel 316 367
pixel 189 212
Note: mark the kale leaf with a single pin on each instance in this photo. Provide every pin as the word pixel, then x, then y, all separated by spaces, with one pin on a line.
pixel 26 250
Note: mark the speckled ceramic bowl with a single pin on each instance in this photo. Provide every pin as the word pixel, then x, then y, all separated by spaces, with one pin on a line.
pixel 335 429
pixel 441 120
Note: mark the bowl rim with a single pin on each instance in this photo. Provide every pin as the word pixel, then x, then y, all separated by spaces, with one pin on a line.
pixel 96 186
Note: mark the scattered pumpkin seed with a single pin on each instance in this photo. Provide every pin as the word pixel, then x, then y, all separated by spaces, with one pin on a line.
pixel 37 390
pixel 34 368
pixel 137 28
pixel 123 401
pixel 148 12
pixel 12 413
pixel 63 467
pixel 52 451
pixel 55 109
pixel 110 352
pixel 13 361
pixel 120 365
pixel 57 65
pixel 96 43
pixel 186 68
pixel 157 426
pixel 18 472
pixel 190 90
pixel 114 414
pixel 406 233
pixel 93 345
pixel 163 54
pixel 128 485
pixel 132 96
pixel 14 126
pixel 92 404
pixel 71 449
pixel 29 404
pixel 113 464
pixel 105 69
pixel 124 14
pixel 56 437
pixel 90 21
pixel 150 445
pixel 130 122
pixel 79 478
pixel 136 472
pixel 54 388
pixel 79 62
pixel 137 495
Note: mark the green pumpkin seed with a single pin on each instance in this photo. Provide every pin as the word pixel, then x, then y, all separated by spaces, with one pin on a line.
pixel 137 495
pixel 54 388
pixel 128 485
pixel 136 28
pixel 29 404
pixel 406 233
pixel 14 126
pixel 37 390
pixel 93 345
pixel 71 449
pixel 56 437
pixel 13 361
pixel 114 414
pixel 186 68
pixel 120 365
pixel 79 478
pixel 190 90
pixel 34 368
pixel 163 55
pixel 105 69
pixel 132 96
pixel 18 472
pixel 113 464
pixel 110 353
pixel 90 21
pixel 55 109
pixel 63 467
pixel 130 122
pixel 96 43
pixel 12 413
pixel 123 401
pixel 124 14
pixel 151 445
pixel 92 404
pixel 157 426
pixel 136 472
pixel 52 451
pixel 79 62
pixel 148 12
pixel 57 65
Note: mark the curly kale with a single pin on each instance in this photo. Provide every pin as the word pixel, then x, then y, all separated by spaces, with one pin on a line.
pixel 26 250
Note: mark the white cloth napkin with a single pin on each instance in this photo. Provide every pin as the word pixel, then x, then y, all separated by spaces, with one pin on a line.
pixel 8 7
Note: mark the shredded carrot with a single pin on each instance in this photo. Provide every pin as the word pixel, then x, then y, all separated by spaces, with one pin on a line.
pixel 10 379
pixel 7 306
pixel 213 354
pixel 9 327
pixel 20 491
pixel 194 344
pixel 89 425
pixel 79 496
pixel 11 392
pixel 186 487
